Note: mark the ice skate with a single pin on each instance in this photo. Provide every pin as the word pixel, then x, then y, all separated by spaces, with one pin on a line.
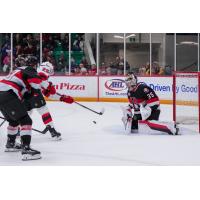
pixel 54 134
pixel 30 154
pixel 12 147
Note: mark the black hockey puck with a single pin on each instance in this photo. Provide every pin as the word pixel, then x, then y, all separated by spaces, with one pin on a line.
pixel 94 122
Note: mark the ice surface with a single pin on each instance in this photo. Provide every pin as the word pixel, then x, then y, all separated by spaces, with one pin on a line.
pixel 104 143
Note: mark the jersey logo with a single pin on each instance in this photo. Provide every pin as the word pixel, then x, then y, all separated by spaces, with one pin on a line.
pixel 146 90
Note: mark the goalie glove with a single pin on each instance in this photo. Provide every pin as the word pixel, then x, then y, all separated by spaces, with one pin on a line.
pixel 67 99
pixel 145 112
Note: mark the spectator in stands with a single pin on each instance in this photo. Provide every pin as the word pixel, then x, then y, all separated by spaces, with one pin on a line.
pixel 120 68
pixel 147 69
pixel 77 71
pixel 78 44
pixel 30 49
pixel 142 70
pixel 168 70
pixel 83 70
pixel 113 68
pixel 155 68
pixel 102 69
pixel 17 39
pixel 6 63
pixel 65 43
pixel 61 63
pixel 108 71
pixel 162 71
pixel 84 61
pixel 4 51
pixel 93 70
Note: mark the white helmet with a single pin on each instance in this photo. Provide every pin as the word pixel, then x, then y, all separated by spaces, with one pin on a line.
pixel 46 68
pixel 131 80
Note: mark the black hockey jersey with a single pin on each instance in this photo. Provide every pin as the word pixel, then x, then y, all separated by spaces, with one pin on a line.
pixel 142 94
pixel 22 80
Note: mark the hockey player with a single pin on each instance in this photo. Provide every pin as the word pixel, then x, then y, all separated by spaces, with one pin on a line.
pixel 35 99
pixel 12 90
pixel 144 108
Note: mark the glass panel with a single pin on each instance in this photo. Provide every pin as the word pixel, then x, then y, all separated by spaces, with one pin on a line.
pixel 5 53
pixel 187 52
pixel 162 53
pixel 138 53
pixel 82 53
pixel 24 45
pixel 55 49
pixel 90 53
pixel 111 58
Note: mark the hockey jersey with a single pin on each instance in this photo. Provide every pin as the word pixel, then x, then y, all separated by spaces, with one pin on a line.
pixel 22 80
pixel 143 95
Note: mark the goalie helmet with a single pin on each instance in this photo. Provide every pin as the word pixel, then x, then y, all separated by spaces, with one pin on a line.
pixel 46 68
pixel 131 80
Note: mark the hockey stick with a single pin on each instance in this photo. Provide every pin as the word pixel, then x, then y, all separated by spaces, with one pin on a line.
pixel 99 113
pixel 42 132
pixel 2 122
pixel 36 130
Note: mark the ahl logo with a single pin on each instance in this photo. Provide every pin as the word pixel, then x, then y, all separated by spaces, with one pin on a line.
pixel 115 85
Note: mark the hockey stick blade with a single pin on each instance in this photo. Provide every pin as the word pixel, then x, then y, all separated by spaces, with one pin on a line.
pixel 83 106
pixel 102 111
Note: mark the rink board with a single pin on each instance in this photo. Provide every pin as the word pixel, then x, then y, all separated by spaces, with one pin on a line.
pixel 113 88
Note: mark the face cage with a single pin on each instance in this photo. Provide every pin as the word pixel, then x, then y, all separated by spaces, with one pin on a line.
pixel 130 83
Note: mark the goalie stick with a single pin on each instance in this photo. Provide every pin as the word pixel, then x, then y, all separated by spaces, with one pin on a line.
pixel 99 113
pixel 36 130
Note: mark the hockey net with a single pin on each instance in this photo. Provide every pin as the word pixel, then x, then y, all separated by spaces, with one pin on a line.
pixel 186 98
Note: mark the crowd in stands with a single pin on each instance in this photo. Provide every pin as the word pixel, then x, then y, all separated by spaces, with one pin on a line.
pixel 5 54
pixel 156 69
pixel 56 49
pixel 26 44
pixel 114 68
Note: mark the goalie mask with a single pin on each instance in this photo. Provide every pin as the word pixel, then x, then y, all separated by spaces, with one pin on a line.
pixel 46 68
pixel 131 80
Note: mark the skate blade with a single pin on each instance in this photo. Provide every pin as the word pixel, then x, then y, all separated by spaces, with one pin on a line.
pixel 12 150
pixel 57 138
pixel 30 157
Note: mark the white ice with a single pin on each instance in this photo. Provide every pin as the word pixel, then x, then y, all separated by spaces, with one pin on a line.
pixel 104 143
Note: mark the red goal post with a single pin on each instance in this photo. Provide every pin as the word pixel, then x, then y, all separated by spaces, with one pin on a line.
pixel 186 99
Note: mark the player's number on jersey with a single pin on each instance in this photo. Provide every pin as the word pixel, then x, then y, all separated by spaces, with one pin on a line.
pixel 150 95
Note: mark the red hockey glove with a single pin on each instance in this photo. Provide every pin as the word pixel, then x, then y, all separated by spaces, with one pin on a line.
pixel 66 99
pixel 50 90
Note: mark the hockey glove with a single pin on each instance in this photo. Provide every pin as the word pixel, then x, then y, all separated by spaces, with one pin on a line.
pixel 66 99
pixel 50 90
pixel 145 112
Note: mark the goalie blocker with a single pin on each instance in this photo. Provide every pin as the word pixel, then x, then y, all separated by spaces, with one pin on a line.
pixel 144 108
